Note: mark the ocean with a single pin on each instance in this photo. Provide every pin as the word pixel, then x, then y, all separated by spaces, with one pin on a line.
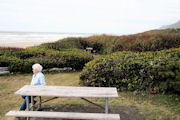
pixel 39 37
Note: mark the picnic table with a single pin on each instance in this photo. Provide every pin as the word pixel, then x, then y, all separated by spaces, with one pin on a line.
pixel 4 70
pixel 67 91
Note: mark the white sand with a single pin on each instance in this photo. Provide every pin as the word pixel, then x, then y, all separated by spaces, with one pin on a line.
pixel 20 44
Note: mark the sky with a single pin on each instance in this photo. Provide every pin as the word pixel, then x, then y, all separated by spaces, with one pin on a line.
pixel 87 16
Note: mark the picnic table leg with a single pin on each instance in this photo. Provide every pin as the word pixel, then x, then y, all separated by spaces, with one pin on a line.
pixel 18 118
pixel 27 104
pixel 39 107
pixel 32 102
pixel 106 106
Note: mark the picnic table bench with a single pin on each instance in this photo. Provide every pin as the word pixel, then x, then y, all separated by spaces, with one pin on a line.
pixel 66 91
pixel 4 70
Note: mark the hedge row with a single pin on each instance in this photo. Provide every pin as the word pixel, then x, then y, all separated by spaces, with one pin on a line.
pixel 105 44
pixel 146 71
pixel 67 43
pixel 137 43
pixel 22 60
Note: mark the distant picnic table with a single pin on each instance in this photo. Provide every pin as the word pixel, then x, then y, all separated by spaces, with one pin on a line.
pixel 4 70
pixel 67 91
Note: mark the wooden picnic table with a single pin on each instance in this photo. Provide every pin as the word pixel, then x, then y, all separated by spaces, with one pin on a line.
pixel 67 91
pixel 4 70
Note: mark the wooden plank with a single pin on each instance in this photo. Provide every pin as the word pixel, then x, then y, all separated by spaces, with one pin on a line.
pixel 3 68
pixel 65 115
pixel 4 72
pixel 68 91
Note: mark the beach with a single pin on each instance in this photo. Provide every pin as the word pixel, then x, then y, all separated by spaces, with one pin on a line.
pixel 28 39
pixel 20 44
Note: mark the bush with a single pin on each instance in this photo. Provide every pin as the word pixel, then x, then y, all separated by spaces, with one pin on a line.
pixel 4 61
pixel 146 71
pixel 137 42
pixel 105 44
pixel 74 58
pixel 67 43
pixel 15 65
pixel 74 43
pixel 46 63
pixel 156 42
pixel 23 53
pixel 21 61
pixel 8 51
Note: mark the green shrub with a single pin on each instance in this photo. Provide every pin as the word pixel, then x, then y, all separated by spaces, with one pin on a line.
pixel 22 60
pixel 67 43
pixel 156 42
pixel 23 53
pixel 74 43
pixel 137 42
pixel 4 61
pixel 46 63
pixel 146 71
pixel 106 44
pixel 74 58
pixel 15 65
pixel 8 51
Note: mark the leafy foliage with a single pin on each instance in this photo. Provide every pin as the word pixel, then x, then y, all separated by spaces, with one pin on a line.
pixel 22 60
pixel 67 43
pixel 154 40
pixel 146 71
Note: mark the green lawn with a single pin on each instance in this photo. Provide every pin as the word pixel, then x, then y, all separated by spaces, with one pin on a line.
pixel 152 107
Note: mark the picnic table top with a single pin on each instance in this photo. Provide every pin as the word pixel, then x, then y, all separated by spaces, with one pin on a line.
pixel 68 91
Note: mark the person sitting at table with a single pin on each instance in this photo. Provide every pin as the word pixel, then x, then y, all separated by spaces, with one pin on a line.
pixel 37 79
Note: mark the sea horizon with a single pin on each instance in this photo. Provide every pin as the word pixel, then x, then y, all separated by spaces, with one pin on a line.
pixel 28 39
pixel 18 36
pixel 6 31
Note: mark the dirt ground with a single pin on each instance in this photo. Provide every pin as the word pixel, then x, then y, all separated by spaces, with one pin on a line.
pixel 126 113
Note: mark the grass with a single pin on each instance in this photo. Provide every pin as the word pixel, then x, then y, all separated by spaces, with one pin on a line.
pixel 152 107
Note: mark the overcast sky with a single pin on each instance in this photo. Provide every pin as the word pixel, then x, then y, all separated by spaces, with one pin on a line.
pixel 87 16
